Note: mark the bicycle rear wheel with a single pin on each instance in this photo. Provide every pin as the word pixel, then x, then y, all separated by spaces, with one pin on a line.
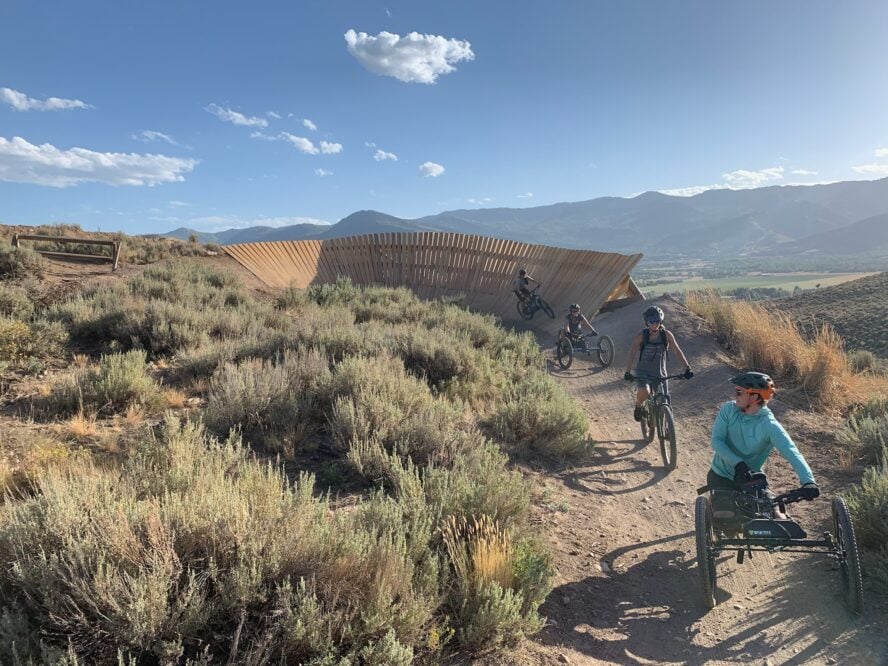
pixel 605 350
pixel 648 428
pixel 564 353
pixel 705 558
pixel 849 564
pixel 548 310
pixel 524 310
pixel 666 431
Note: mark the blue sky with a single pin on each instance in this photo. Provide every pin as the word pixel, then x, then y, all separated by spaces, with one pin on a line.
pixel 146 116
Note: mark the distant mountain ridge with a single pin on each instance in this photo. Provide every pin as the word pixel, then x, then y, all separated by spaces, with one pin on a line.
pixel 839 218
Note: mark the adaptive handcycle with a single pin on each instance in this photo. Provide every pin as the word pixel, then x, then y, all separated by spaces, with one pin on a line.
pixel 570 344
pixel 752 519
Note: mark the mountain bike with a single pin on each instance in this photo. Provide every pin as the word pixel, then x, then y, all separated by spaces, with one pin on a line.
pixel 657 418
pixel 528 306
pixel 758 522
pixel 569 344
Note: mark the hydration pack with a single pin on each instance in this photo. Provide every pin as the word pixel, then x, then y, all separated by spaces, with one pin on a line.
pixel 646 339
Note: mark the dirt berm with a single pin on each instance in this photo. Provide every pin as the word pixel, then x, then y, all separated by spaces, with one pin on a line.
pixel 627 589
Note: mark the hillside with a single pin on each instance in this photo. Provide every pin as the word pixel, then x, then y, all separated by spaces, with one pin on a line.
pixel 788 220
pixel 855 309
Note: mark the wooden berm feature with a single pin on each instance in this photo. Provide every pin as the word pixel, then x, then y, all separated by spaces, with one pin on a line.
pixel 478 269
pixel 114 245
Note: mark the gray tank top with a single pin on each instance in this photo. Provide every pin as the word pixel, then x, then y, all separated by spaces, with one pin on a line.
pixel 653 357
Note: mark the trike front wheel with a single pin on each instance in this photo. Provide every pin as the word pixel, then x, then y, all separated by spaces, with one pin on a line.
pixel 564 353
pixel 605 350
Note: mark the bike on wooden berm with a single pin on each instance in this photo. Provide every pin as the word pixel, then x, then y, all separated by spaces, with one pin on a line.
pixel 528 306
pixel 657 418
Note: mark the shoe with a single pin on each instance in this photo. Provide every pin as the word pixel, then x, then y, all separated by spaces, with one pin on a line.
pixel 637 414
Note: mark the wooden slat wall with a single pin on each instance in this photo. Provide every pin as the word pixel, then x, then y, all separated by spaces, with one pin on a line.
pixel 435 264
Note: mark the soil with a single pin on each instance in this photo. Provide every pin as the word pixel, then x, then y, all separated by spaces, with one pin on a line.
pixel 627 589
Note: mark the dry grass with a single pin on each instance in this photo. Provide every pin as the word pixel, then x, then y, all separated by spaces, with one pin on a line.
pixel 175 399
pixel 480 552
pixel 817 369
pixel 81 426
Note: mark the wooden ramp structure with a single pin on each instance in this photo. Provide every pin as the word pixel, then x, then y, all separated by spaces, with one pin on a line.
pixel 478 269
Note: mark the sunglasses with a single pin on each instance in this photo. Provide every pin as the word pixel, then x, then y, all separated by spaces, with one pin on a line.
pixel 653 321
pixel 574 310
pixel 738 392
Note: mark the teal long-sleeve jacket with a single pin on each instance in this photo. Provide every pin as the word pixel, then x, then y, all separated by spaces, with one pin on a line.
pixel 751 437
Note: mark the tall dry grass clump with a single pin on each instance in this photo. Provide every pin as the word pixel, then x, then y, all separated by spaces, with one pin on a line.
pixel 769 341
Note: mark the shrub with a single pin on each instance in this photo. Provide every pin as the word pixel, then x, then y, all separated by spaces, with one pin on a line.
pixel 868 502
pixel 865 433
pixel 862 360
pixel 20 262
pixel 25 345
pixel 118 382
pixel 15 302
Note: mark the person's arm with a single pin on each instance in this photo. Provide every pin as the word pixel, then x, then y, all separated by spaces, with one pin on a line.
pixel 588 323
pixel 530 279
pixel 673 344
pixel 633 352
pixel 787 448
pixel 720 437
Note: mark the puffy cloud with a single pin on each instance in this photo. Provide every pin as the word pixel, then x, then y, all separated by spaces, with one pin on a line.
pixel 744 179
pixel 309 125
pixel 302 144
pixel 430 170
pixel 222 222
pixel 151 136
pixel 330 148
pixel 323 172
pixel 235 118
pixel 21 102
pixel 526 195
pixel 872 169
pixel 480 201
pixel 381 155
pixel 414 58
pixel 881 152
pixel 803 172
pixel 273 114
pixel 24 162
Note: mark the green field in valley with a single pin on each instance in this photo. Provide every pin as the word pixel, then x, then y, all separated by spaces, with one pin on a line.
pixel 788 281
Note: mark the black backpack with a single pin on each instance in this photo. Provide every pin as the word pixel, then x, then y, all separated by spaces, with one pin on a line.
pixel 646 338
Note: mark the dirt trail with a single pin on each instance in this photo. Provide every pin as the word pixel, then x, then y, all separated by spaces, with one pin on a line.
pixel 627 589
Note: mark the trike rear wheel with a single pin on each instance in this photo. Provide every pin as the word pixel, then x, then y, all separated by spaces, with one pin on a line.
pixel 705 557
pixel 849 565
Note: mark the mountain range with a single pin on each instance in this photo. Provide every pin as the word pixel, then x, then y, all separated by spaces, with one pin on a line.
pixel 848 217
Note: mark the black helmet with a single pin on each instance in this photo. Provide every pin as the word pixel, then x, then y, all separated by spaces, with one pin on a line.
pixel 755 382
pixel 653 314
pixel 575 306
pixel 522 272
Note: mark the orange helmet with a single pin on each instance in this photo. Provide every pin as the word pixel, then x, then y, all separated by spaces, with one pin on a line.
pixel 755 382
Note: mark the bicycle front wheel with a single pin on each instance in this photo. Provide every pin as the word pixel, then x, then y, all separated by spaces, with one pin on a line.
pixel 666 431
pixel 705 557
pixel 605 350
pixel 849 559
pixel 548 310
pixel 564 353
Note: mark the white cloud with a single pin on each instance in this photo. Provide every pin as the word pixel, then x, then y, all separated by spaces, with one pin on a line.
pixel 414 58
pixel 691 191
pixel 881 152
pixel 222 222
pixel 744 179
pixel 381 155
pixel 526 195
pixel 263 136
pixel 872 169
pixel 430 170
pixel 151 136
pixel 24 162
pixel 273 114
pixel 234 117
pixel 178 204
pixel 370 144
pixel 479 202
pixel 330 148
pixel 323 172
pixel 21 102
pixel 803 172
pixel 302 144
pixel 309 125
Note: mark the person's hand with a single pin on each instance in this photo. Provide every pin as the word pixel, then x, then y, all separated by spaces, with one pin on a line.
pixel 809 491
pixel 628 376
pixel 742 473
pixel 688 373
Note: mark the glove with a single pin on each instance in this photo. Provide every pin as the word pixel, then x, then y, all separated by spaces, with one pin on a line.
pixel 628 376
pixel 742 473
pixel 688 374
pixel 809 491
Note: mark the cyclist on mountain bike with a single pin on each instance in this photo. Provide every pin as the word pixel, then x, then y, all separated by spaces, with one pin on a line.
pixel 744 434
pixel 649 352
pixel 574 321
pixel 521 283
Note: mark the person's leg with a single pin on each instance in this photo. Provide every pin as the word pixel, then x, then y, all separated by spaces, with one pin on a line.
pixel 721 492
pixel 640 396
